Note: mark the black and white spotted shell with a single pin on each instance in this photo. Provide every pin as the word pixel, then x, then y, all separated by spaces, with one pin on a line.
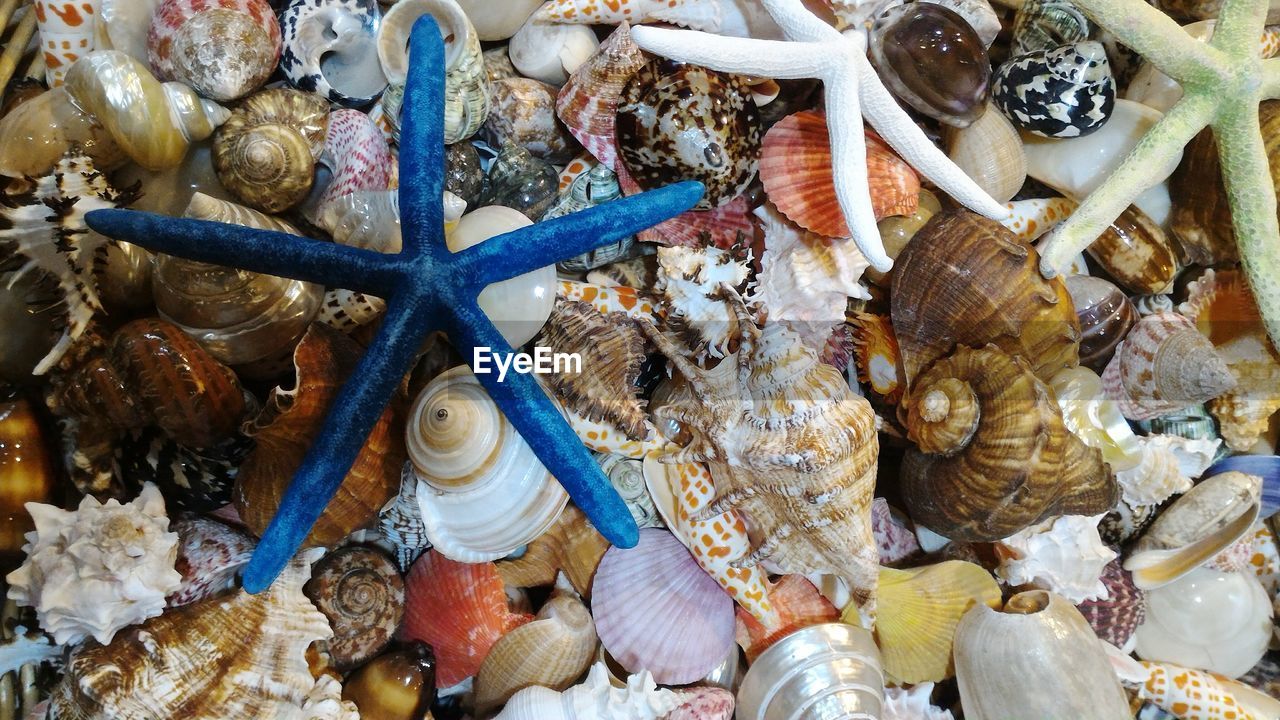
pixel 344 33
pixel 1063 92
pixel 684 122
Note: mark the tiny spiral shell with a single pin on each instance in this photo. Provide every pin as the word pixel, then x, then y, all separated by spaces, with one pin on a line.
pixel 266 152
pixel 362 594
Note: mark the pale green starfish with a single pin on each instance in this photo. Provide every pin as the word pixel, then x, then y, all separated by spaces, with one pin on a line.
pixel 1223 82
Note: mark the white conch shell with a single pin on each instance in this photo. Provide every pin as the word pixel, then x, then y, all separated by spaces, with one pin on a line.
pixel 689 282
pixel 68 32
pixel 912 704
pixel 594 699
pixel 1037 659
pixel 482 491
pixel 805 280
pixel 99 568
pixel 1064 555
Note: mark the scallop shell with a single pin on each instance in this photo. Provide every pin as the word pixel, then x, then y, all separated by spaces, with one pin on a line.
pixel 400 521
pixel 481 490
pixel 990 151
pixel 361 593
pixel 1196 527
pixel 266 153
pixel 331 49
pixel 966 280
pixel 224 50
pixel 237 656
pixel 694 14
pixel 1164 365
pixel 459 609
pixel 551 651
pixel 127 550
pixel 1116 614
pixel 1064 91
pixel 571 546
pixel 67 33
pixel 919 610
pixel 594 699
pixel 720 143
pixel 727 227
pixel 588 103
pixel 795 169
pixel 655 609
pixel 828 670
pixel 1064 555
pixel 977 417
pixel 1105 316
pixel 796 604
pixel 285 428
pixel 358 157
pixel 42 231
pixel 210 555
pixel 1136 252
pixel 398 685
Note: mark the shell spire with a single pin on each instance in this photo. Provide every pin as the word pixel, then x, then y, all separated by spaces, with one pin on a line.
pixel 1163 365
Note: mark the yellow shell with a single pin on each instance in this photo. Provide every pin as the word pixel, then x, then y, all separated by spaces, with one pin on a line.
pixel 919 610
pixel 266 152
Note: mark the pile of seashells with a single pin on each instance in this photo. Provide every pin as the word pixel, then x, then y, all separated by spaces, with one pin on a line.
pixel 883 467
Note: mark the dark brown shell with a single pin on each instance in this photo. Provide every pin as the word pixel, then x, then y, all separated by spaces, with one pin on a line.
pixel 966 280
pixel 397 686
pixel 26 474
pixel 362 594
pixel 153 374
pixel 1115 618
pixel 284 431
pixel 1105 315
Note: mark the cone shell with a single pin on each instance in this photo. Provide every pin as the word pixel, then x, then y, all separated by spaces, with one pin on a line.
pixel 265 154
pixel 571 546
pixel 459 609
pixel 966 280
pixel 362 594
pixel 990 152
pixel 795 168
pixel 552 651
pixel 210 555
pixel 655 609
pixel 994 455
pixel 1116 616
pixel 919 611
pixel 588 103
pixel 1164 365
pixel 285 428
pixel 223 49
pixel 1105 314
pixel 1135 251
pixel 1195 695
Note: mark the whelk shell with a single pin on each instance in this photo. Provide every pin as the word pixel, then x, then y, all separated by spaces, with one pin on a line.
pixel 266 152
pixel 361 593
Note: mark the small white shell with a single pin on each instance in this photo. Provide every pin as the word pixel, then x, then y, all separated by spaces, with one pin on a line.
pixel 1156 476
pixel 551 52
pixel 1064 555
pixel 912 704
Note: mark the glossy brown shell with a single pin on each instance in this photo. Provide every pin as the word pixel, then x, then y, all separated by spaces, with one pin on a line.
pixel 1136 252
pixel 1105 315
pixel 966 280
pixel 284 431
pixel 1002 459
pixel 362 594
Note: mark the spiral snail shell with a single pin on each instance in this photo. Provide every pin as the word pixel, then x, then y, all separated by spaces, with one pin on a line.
pixel 266 152
pixel 362 594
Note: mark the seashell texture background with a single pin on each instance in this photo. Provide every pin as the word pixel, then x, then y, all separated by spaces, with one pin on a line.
pixel 881 464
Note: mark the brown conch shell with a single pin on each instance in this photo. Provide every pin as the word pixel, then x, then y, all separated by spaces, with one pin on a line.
pixel 994 455
pixel 571 546
pixel 266 153
pixel 284 431
pixel 966 280
pixel 1164 365
pixel 361 592
pixel 237 656
pixel 552 651
pixel 612 351
pixel 788 444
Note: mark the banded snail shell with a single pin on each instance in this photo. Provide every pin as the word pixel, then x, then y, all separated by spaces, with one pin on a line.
pixel 266 152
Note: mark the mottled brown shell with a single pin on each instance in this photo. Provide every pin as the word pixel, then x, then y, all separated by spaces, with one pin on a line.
pixel 995 456
pixel 153 374
pixel 362 594
pixel 266 153
pixel 284 431
pixel 966 280
pixel 612 352
pixel 1136 252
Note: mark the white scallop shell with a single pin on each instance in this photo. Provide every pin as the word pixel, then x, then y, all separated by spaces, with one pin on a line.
pixel 1064 555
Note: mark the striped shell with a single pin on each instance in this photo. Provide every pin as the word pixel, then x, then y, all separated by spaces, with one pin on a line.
pixel 400 521
pixel 1105 315
pixel 588 103
pixel 265 154
pixel 224 49
pixel 1164 365
pixel 357 155
pixel 1062 92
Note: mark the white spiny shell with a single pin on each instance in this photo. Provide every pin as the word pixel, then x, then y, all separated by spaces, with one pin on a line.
pixel 99 568
pixel 1064 555
pixel 594 699
pixel 912 704
pixel 1194 455
pixel 1155 477
pixel 689 282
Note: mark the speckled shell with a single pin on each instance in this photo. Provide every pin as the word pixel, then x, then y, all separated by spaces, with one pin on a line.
pixel 1193 694
pixel 67 33
pixel 522 111
pixel 400 521
pixel 1064 92
pixel 994 455
pixel 194 480
pixel 330 49
pixel 265 154
pixel 1136 252
pixel 587 104
pixel 210 555
pixel 285 428
pixel 694 14
pixel 362 594
pixel 683 122
pixel 1105 315
pixel 966 280
pixel 223 49
pixel 358 159
pixel 1164 365
pixel 1115 617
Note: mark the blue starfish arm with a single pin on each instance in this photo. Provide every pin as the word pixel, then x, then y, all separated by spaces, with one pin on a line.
pixel 528 409
pixel 547 243
pixel 422 140
pixel 263 251
pixel 351 417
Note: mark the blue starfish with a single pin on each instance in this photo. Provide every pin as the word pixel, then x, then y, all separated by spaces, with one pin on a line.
pixel 427 288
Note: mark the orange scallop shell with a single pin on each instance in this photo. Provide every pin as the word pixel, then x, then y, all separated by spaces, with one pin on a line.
pixel 795 168
pixel 460 610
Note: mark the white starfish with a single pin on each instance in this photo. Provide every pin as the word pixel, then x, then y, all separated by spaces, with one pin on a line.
pixel 852 89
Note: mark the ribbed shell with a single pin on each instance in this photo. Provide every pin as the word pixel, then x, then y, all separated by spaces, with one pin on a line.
pixel 1003 458
pixel 656 610
pixel 358 156
pixel 990 152
pixel 224 49
pixel 265 154
pixel 796 603
pixel 966 280
pixel 1105 314
pixel 400 521
pixel 1115 617
pixel 362 594
pixel 571 546
pixel 1164 365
